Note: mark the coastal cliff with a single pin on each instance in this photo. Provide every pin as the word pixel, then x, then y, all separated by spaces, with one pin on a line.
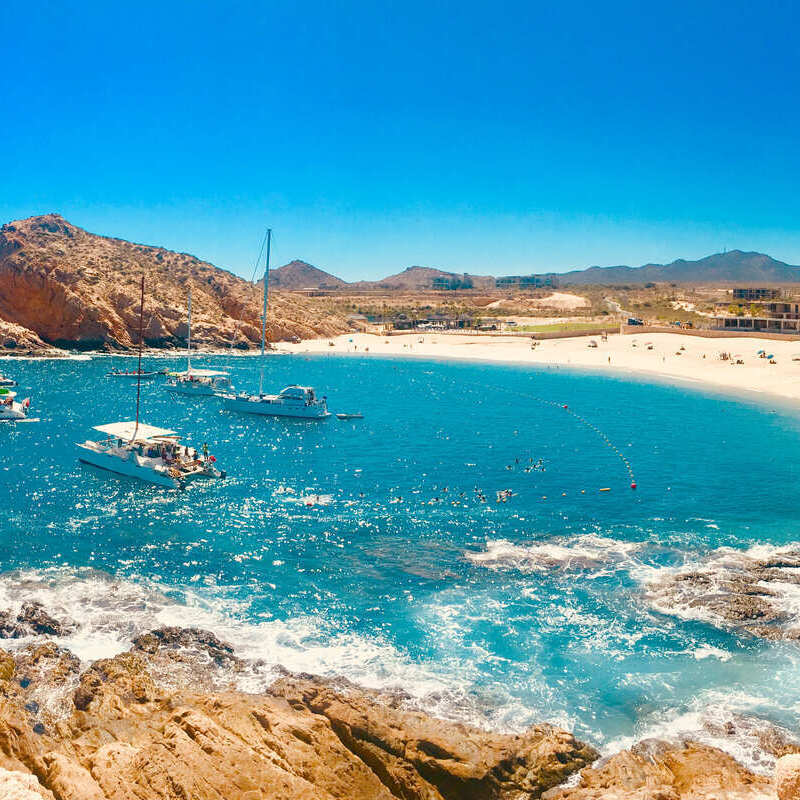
pixel 159 722
pixel 62 286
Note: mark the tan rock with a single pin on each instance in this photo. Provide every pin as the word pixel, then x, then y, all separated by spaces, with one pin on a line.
pixel 21 786
pixel 654 770
pixel 787 777
pixel 63 285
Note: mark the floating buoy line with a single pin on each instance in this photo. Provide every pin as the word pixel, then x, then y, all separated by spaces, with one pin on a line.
pixel 585 422
pixel 574 415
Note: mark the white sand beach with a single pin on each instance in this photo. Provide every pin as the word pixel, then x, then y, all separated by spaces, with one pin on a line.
pixel 677 358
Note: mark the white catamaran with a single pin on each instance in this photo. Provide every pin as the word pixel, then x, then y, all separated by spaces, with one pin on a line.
pixel 196 382
pixel 151 454
pixel 294 401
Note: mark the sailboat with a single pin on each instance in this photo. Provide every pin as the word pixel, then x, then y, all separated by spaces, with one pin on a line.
pixel 196 382
pixel 151 454
pixel 294 401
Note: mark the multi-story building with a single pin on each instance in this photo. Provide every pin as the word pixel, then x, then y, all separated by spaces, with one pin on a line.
pixel 527 282
pixel 752 294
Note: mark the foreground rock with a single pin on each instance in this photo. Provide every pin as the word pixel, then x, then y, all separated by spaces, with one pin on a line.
pixel 63 286
pixel 163 722
pixel 744 591
pixel 655 770
pixel 128 736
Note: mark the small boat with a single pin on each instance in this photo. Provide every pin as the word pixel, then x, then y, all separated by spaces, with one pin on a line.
pixel 5 381
pixel 300 402
pixel 10 409
pixel 134 374
pixel 154 455
pixel 349 416
pixel 196 382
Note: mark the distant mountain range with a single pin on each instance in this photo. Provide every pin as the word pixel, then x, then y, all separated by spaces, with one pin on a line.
pixel 734 266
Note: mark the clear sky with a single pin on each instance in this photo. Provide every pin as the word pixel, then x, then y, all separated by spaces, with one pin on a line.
pixel 496 137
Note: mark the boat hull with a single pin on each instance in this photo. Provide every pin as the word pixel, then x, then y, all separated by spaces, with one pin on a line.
pixel 126 467
pixel 191 391
pixel 266 408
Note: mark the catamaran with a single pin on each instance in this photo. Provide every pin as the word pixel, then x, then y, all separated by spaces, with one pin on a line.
pixel 196 382
pixel 10 409
pixel 151 454
pixel 294 401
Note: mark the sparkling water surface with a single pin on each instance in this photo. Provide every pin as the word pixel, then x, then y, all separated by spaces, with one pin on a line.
pixel 362 548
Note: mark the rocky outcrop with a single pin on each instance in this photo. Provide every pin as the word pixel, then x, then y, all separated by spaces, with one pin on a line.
pixel 133 728
pixel 787 777
pixel 655 770
pixel 61 285
pixel 32 620
pixel 745 591
pixel 163 721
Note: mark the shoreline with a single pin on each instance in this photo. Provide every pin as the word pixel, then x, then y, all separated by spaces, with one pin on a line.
pixel 698 366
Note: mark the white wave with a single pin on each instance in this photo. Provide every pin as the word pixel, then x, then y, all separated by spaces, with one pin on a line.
pixel 576 552
pixel 111 612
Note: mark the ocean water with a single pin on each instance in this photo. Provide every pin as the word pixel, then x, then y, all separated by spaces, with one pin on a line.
pixel 363 548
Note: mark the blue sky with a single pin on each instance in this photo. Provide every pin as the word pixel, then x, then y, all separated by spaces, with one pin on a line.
pixel 495 138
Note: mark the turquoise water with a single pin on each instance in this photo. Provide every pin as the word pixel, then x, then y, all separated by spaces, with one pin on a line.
pixel 503 614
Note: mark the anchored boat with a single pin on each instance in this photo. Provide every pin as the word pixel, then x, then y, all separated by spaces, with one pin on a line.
pixel 294 401
pixel 5 381
pixel 151 454
pixel 10 409
pixel 196 382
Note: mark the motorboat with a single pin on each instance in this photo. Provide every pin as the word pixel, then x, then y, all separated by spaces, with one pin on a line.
pixel 198 382
pixel 6 381
pixel 294 401
pixel 349 416
pixel 151 454
pixel 10 409
pixel 300 402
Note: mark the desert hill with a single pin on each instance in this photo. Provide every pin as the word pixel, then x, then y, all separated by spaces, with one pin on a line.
pixel 300 275
pixel 734 266
pixel 68 287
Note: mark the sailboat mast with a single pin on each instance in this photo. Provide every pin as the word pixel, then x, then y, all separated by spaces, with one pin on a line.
pixel 264 315
pixel 189 338
pixel 139 370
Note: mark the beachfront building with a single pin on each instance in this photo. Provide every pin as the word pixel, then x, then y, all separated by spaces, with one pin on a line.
pixel 756 294
pixel 452 282
pixel 527 282
pixel 777 317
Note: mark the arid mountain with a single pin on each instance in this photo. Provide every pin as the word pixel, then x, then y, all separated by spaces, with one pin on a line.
pixel 72 288
pixel 734 266
pixel 300 275
pixel 419 278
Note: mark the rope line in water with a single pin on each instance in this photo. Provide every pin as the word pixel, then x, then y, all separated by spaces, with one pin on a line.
pixel 544 401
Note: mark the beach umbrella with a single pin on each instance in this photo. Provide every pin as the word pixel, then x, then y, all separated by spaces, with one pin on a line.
pixel 759 352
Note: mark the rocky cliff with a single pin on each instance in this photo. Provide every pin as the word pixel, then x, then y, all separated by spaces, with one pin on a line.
pixel 163 721
pixel 63 286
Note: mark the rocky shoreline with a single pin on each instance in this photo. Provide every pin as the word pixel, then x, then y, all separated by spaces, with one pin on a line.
pixel 163 720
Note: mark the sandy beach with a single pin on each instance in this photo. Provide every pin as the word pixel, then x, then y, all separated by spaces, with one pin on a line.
pixel 677 358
